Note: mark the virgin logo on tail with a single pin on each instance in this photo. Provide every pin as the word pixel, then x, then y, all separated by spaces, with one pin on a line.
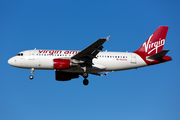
pixel 150 46
pixel 154 43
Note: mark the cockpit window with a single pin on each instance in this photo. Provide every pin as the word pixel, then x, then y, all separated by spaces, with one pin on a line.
pixel 20 54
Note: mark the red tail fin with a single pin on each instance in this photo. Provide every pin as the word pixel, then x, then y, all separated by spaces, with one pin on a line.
pixel 154 43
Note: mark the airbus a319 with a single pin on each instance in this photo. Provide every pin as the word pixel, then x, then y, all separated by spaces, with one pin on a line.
pixel 70 64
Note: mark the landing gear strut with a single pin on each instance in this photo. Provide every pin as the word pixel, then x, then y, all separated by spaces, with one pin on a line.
pixel 85 81
pixel 32 72
pixel 85 74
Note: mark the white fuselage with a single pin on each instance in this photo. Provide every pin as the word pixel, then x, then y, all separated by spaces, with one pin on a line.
pixel 104 61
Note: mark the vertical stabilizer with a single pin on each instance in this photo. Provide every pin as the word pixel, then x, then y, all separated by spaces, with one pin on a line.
pixel 154 43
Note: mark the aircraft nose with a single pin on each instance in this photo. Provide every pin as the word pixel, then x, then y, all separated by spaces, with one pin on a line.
pixel 10 61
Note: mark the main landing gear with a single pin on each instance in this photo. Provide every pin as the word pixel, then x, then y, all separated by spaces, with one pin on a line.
pixel 85 81
pixel 32 72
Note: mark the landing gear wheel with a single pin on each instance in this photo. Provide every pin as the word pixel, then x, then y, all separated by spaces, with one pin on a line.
pixel 31 77
pixel 32 72
pixel 85 74
pixel 85 82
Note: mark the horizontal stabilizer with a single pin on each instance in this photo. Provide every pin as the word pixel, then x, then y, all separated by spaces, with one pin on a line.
pixel 159 55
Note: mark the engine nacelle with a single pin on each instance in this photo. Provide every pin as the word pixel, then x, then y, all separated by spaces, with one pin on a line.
pixel 61 64
pixel 65 76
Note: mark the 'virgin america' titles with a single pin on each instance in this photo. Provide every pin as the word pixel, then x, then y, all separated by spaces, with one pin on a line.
pixel 58 52
pixel 149 47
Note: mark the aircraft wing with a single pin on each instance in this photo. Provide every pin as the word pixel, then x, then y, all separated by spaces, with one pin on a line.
pixel 90 52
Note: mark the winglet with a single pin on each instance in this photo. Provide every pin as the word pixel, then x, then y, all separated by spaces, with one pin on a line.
pixel 108 38
pixel 106 73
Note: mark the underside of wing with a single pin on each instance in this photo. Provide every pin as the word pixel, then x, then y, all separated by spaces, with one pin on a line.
pixel 90 52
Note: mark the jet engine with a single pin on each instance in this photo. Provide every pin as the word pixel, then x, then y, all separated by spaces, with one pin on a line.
pixel 60 64
pixel 65 76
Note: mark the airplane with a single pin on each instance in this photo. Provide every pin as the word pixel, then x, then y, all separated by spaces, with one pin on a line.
pixel 70 64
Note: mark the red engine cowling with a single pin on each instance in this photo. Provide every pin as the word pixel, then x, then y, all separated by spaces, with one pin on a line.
pixel 60 64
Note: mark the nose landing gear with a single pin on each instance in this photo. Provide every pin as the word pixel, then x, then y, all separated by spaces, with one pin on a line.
pixel 31 77
pixel 32 72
